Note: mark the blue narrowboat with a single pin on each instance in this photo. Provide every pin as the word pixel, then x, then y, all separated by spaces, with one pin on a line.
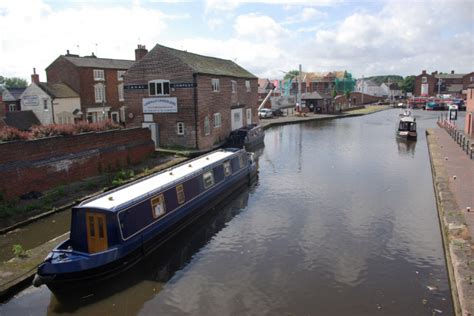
pixel 114 230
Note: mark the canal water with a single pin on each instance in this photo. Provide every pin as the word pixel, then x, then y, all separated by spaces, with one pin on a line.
pixel 342 221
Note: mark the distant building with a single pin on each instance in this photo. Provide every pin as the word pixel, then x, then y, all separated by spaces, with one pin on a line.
pixel 318 102
pixel 11 99
pixel 265 86
pixel 370 87
pixel 52 103
pixel 97 81
pixel 22 120
pixel 391 90
pixel 189 100
pixel 469 120
pixel 439 83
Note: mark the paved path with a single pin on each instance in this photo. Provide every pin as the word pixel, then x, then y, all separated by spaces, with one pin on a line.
pixel 453 179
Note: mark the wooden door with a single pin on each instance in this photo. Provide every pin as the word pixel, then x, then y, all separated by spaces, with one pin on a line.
pixel 96 232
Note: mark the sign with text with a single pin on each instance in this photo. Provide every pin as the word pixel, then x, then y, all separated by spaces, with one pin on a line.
pixel 160 105
pixel 30 100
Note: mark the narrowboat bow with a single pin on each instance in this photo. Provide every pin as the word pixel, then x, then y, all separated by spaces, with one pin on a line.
pixel 407 127
pixel 114 230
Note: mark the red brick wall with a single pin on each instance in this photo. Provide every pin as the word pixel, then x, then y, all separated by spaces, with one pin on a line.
pixel 159 65
pixel 431 80
pixel 466 80
pixel 64 71
pixel 41 164
pixel 469 120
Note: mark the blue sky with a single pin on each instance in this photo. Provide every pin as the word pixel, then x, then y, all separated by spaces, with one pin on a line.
pixel 265 37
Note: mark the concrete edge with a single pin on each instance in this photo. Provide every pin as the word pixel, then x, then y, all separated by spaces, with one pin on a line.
pixel 453 231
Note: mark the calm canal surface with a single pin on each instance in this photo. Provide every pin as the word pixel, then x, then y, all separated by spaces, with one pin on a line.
pixel 342 221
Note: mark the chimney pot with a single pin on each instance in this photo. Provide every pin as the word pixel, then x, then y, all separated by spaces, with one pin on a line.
pixel 140 52
pixel 423 72
pixel 67 52
pixel 35 77
pixel 452 72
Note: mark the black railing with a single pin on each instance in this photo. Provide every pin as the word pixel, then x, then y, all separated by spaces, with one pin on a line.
pixel 465 142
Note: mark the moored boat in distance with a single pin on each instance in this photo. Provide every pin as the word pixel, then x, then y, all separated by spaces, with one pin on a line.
pixel 407 127
pixel 247 137
pixel 111 232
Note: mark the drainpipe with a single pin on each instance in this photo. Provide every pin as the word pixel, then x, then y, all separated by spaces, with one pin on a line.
pixel 52 110
pixel 195 109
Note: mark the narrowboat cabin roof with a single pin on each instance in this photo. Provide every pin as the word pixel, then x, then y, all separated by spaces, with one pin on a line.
pixel 114 199
pixel 407 119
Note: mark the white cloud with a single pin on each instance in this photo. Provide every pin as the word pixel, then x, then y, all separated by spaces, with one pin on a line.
pixel 41 33
pixel 260 28
pixel 214 23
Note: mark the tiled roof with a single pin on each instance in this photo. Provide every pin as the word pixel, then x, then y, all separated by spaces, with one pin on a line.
pixel 14 92
pixel 23 120
pixel 315 95
pixel 449 76
pixel 94 62
pixel 58 90
pixel 205 64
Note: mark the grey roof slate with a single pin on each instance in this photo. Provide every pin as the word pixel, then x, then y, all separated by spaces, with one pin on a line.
pixel 207 65
pixel 23 120
pixel 58 90
pixel 94 62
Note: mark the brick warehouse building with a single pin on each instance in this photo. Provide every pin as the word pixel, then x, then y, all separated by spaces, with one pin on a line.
pixel 430 84
pixel 98 81
pixel 188 100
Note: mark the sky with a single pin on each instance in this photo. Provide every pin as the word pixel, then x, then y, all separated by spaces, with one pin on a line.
pixel 268 38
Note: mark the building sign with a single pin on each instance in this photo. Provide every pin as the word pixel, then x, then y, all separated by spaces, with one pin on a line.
pixel 135 87
pixel 160 105
pixel 180 85
pixel 30 100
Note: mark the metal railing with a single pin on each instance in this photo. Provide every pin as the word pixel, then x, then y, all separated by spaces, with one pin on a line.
pixel 465 142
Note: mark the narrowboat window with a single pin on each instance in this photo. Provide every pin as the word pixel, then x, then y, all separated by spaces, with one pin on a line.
pixel 180 194
pixel 227 168
pixel 101 227
pixel 91 226
pixel 208 179
pixel 241 161
pixel 158 206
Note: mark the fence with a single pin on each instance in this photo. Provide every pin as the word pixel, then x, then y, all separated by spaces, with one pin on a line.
pixel 465 142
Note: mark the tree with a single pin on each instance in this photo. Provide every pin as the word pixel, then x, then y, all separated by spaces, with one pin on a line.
pixel 408 84
pixel 13 82
pixel 291 74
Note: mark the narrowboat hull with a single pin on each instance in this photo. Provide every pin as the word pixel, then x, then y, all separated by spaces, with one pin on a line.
pixel 407 135
pixel 72 275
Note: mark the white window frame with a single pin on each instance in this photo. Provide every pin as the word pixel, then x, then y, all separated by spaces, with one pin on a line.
pixel 115 114
pixel 162 84
pixel 247 86
pixel 99 92
pixel 208 179
pixel 120 74
pixel 217 120
pixel 215 84
pixel 99 75
pixel 233 85
pixel 472 79
pixel 180 128
pixel 227 168
pixel 120 92
pixel 207 126
pixel 424 80
pixel 45 105
pixel 249 116
pixel 12 107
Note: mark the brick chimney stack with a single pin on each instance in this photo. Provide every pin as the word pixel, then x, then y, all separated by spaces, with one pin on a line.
pixel 452 72
pixel 423 72
pixel 35 77
pixel 140 52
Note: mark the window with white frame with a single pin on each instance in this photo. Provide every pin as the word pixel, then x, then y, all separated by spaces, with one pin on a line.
pixel 249 116
pixel 233 84
pixel 99 90
pixel 120 74
pixel 180 128
pixel 159 87
pixel 472 79
pixel 120 92
pixel 215 85
pixel 217 120
pixel 207 127
pixel 208 179
pixel 247 85
pixel 227 168
pixel 12 107
pixel 424 80
pixel 45 104
pixel 99 74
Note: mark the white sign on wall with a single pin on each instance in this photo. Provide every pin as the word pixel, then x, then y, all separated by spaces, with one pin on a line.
pixel 160 105
pixel 30 100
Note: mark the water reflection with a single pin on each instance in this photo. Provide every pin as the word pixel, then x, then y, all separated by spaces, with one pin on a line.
pixel 406 147
pixel 126 293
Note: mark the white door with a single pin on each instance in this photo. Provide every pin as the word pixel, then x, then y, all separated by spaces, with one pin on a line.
pixel 249 116
pixel 424 89
pixel 237 118
pixel 153 127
